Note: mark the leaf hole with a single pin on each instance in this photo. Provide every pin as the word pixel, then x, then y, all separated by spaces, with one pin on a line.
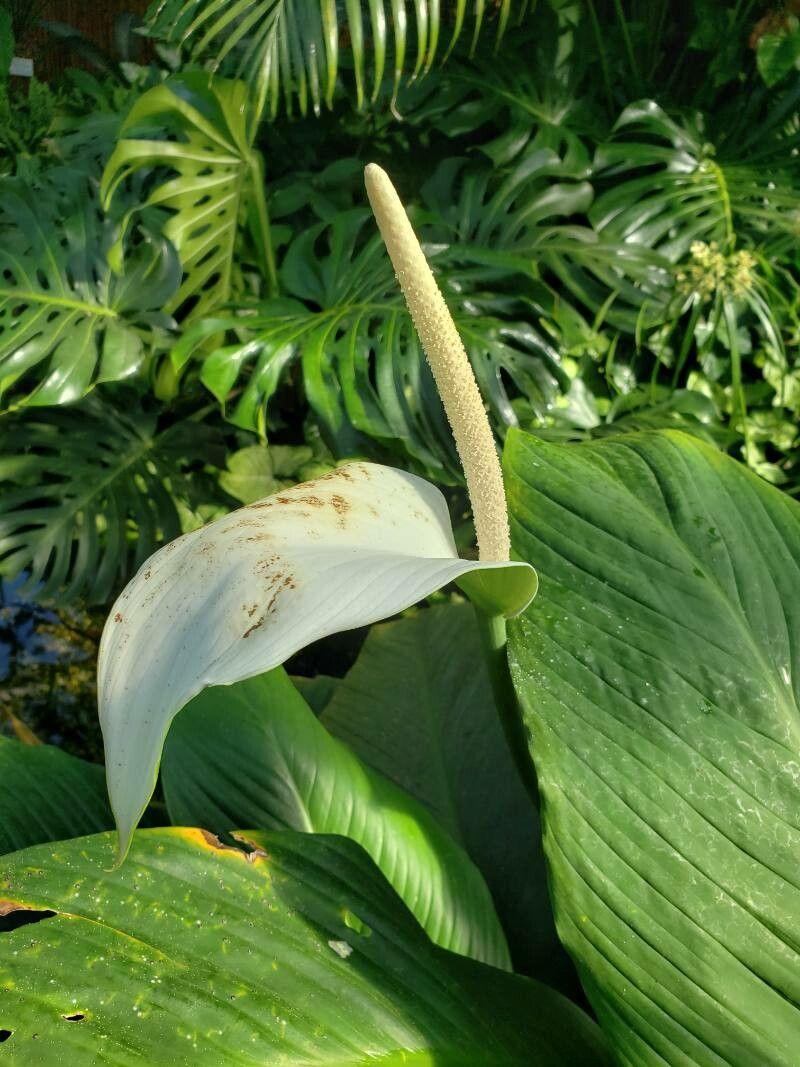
pixel 12 918
pixel 75 1017
pixel 5 1035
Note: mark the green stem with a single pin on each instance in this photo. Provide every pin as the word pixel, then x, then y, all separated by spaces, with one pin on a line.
pixel 264 235
pixel 493 638
pixel 603 58
pixel 727 211
pixel 731 323
pixel 626 37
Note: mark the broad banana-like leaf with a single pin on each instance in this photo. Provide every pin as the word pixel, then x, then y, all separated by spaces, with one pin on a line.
pixel 295 776
pixel 417 706
pixel 659 678
pixel 244 593
pixel 46 795
pixel 279 948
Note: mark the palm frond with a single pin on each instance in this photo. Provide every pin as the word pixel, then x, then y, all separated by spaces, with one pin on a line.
pixel 89 493
pixel 668 187
pixel 292 49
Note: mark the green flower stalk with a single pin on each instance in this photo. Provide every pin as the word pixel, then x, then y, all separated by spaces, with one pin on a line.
pixel 451 368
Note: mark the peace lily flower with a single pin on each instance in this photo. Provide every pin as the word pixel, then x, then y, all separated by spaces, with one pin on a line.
pixel 239 596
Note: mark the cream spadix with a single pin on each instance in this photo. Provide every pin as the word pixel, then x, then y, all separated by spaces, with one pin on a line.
pixel 451 368
pixel 239 596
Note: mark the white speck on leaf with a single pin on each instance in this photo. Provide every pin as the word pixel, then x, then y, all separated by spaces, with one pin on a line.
pixel 341 948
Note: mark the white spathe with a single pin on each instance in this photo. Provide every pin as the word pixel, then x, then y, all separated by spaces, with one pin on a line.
pixel 239 596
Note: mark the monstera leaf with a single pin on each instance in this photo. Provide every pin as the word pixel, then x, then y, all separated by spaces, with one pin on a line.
pixel 292 50
pixel 66 322
pixel 275 948
pixel 503 106
pixel 200 129
pixel 301 778
pixel 363 367
pixel 89 493
pixel 658 676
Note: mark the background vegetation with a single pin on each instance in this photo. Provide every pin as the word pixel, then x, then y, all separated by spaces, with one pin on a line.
pixel 188 272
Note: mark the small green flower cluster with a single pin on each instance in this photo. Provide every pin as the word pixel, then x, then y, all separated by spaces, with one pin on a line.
pixel 710 271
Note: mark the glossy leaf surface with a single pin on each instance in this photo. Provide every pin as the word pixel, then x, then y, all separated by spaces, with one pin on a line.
pixel 254 754
pixel 294 952
pixel 417 706
pixel 659 677
pixel 47 795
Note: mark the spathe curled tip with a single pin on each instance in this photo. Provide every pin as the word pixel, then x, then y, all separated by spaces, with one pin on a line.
pixel 451 368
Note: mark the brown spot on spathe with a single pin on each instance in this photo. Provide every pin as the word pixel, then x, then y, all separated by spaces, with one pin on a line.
pixel 118 617
pixel 255 626
pixel 341 507
pixel 313 501
pixel 339 472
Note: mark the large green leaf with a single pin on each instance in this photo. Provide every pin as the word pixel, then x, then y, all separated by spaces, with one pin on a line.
pixel 295 951
pixel 88 494
pixel 659 675
pixel 46 795
pixel 66 322
pixel 418 707
pixel 199 129
pixel 298 777
pixel 290 49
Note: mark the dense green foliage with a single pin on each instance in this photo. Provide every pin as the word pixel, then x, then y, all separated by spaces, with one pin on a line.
pixel 196 313
pixel 614 230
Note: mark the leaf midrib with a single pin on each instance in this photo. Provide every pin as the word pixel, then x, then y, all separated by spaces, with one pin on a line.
pixel 32 297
